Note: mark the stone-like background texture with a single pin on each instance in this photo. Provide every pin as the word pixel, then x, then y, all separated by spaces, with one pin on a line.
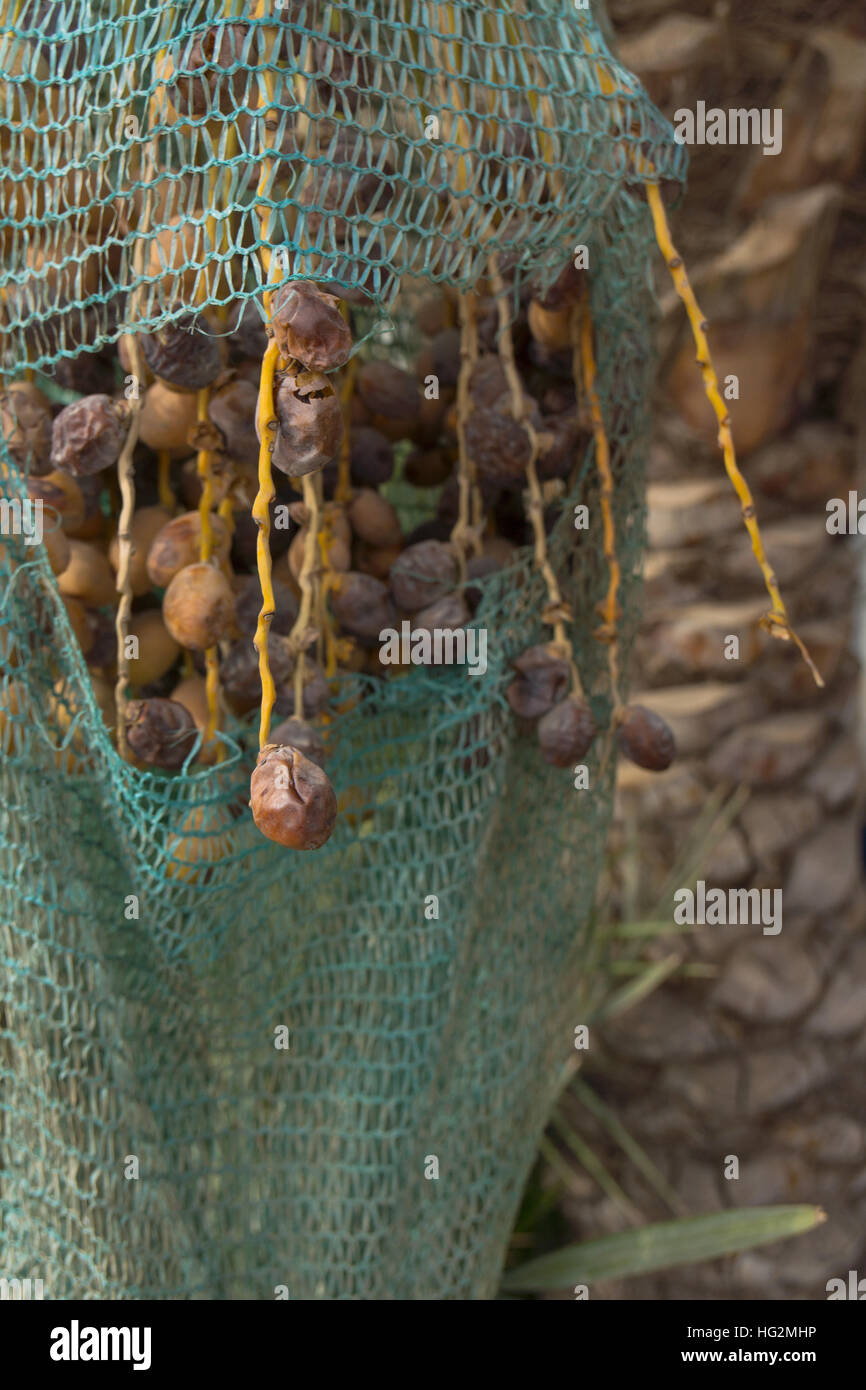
pixel 761 1051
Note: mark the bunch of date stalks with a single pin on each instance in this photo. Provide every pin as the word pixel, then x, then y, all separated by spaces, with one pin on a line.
pixel 190 605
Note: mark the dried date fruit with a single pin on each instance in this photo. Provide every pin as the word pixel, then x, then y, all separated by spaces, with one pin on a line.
pixel 337 550
pixel 448 508
pixel 479 567
pixel 309 327
pixel 225 474
pixel 291 798
pixel 56 543
pixel 375 560
pixel 178 544
pixel 191 692
pixel 147 523
pixel 427 467
pixel 202 843
pixel 562 454
pixel 498 445
pixel 433 425
pixel 424 572
pixel 81 628
pixel 92 528
pixel 363 608
pixel 198 607
pixel 248 601
pixel 440 358
pixel 166 419
pixel 447 612
pixel 88 576
pixel 310 423
pixel 348 72
pixel 239 670
pixel 245 540
pixel 566 732
pixel 373 519
pixel 315 695
pixel 210 77
pixel 558 364
pixel 155 650
pixel 436 529
pixel 88 374
pixel 646 739
pixel 541 682
pixel 103 648
pixel 61 496
pixel 248 337
pixel 347 190
pixel 182 354
pixel 433 315
pixel 488 382
pixel 565 290
pixel 161 733
pixel 88 435
pixel 297 733
pixel 25 424
pixel 371 457
pixel 391 396
pixel 552 328
pixel 556 399
pixel 232 408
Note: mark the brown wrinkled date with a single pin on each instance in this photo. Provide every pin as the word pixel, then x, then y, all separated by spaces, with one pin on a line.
pixel 309 327
pixel 178 544
pixel 248 338
pixel 310 423
pixel 441 358
pixel 239 669
pixel 248 601
pixel 373 519
pixel 446 613
pixel 488 382
pixel 182 354
pixel 198 607
pixel 204 84
pixel 315 695
pixel 59 493
pixel 291 798
pixel 646 739
pixel 566 440
pixel 88 435
pixel 297 733
pixel 424 572
pixel 566 732
pixel 25 424
pixel 372 457
pixel 160 732
pixel 427 467
pixel 498 445
pixel 232 408
pixel 391 396
pixel 363 608
pixel 541 681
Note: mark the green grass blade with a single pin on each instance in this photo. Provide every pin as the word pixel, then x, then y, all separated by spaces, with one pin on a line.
pixel 717 817
pixel 662 1246
pixel 630 1147
pixel 593 1165
pixel 655 928
pixel 628 995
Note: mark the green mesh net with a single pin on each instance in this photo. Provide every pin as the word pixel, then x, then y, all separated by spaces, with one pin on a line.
pixel 144 153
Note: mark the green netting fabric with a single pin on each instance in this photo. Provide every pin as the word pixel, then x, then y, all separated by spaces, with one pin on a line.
pixel 130 172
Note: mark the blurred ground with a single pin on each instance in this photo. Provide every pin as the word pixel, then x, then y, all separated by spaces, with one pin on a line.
pixel 758 1051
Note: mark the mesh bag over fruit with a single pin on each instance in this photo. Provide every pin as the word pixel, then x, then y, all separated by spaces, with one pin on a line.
pixel 144 150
